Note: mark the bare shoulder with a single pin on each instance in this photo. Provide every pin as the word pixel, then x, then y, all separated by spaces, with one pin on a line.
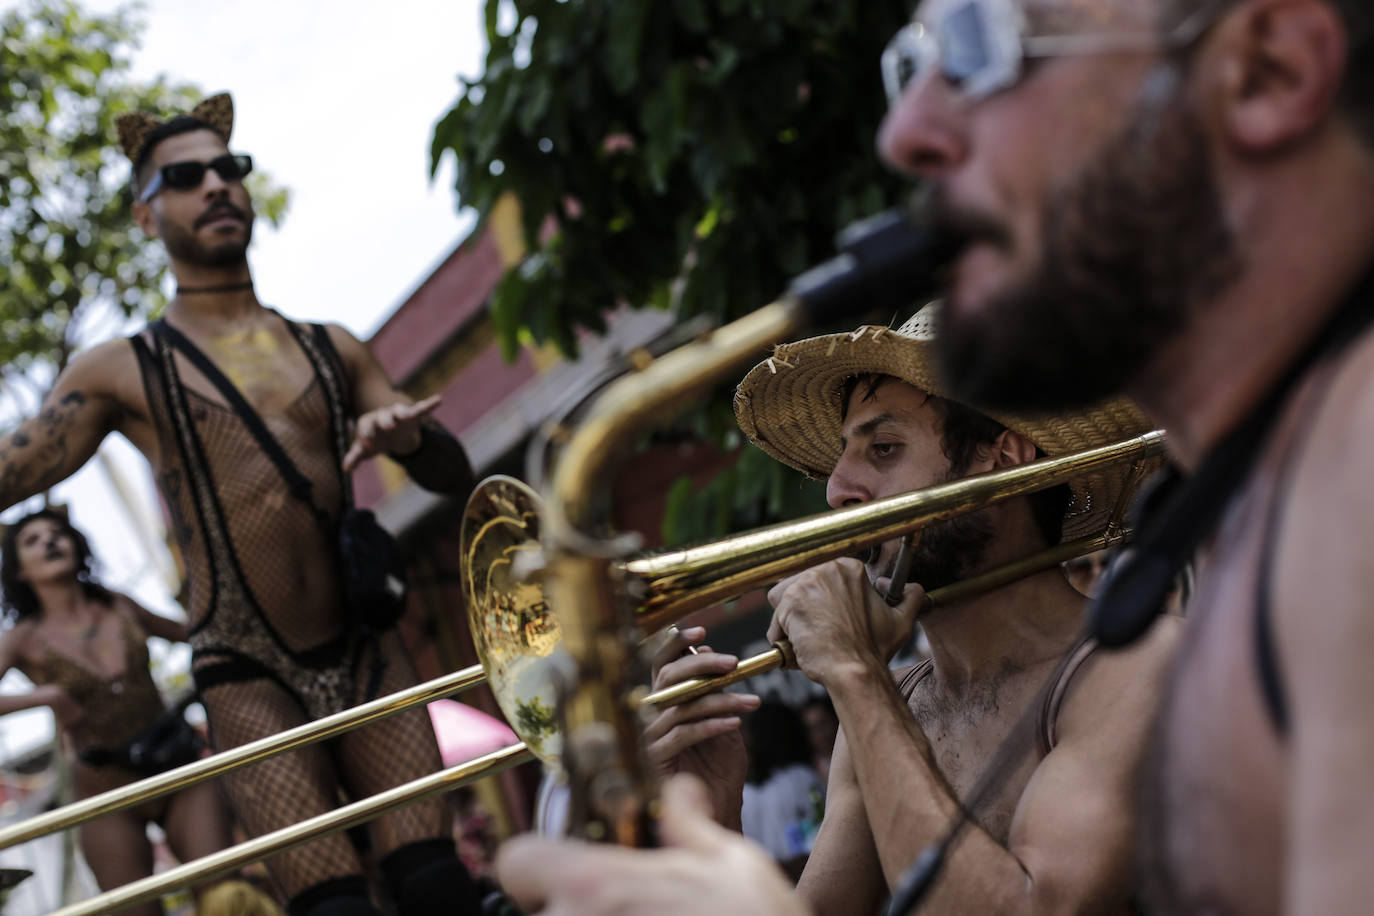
pixel 343 340
pixel 125 606
pixel 104 368
pixel 1328 505
pixel 148 623
pixel 1322 577
pixel 106 375
pixel 1113 682
pixel 16 644
pixel 1348 406
pixel 354 353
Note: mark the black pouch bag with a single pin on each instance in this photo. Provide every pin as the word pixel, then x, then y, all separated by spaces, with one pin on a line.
pixel 373 571
pixel 168 743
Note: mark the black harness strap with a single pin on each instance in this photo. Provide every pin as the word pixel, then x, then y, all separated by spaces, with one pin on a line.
pixel 297 483
pixel 1176 515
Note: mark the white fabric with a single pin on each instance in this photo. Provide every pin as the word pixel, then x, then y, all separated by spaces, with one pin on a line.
pixel 784 812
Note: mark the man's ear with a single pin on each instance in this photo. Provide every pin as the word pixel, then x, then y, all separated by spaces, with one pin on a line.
pixel 143 215
pixel 1281 66
pixel 1011 448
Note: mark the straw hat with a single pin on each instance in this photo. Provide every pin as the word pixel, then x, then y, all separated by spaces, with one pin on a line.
pixel 135 127
pixel 789 406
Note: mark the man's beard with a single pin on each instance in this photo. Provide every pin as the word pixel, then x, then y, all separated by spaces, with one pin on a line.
pixel 183 245
pixel 949 551
pixel 1130 249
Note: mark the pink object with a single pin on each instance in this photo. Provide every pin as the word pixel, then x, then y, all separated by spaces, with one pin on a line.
pixel 464 732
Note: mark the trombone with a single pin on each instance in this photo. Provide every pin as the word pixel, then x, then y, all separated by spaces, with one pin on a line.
pixel 513 617
pixel 521 642
pixel 516 633
pixel 523 649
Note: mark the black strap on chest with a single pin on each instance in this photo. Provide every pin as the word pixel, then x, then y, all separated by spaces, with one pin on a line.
pixel 1176 514
pixel 300 486
pixel 1171 520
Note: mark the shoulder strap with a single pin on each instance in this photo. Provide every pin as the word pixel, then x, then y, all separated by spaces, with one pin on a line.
pixel 1054 698
pixel 914 676
pixel 1180 514
pixel 1267 666
pixel 330 370
pixel 1267 661
pixel 297 483
pixel 333 378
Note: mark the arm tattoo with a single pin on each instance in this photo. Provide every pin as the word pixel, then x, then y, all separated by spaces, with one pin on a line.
pixel 440 464
pixel 38 454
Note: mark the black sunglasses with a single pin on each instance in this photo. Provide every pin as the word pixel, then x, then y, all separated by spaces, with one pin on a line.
pixel 186 175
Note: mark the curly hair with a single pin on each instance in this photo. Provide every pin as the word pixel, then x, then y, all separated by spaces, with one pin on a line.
pixel 17 600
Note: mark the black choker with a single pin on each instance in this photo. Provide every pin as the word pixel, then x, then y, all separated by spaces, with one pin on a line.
pixel 225 288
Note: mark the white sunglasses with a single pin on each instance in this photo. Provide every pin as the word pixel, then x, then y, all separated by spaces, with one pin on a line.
pixel 980 45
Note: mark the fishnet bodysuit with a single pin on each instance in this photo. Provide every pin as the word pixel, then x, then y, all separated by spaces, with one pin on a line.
pixel 271 649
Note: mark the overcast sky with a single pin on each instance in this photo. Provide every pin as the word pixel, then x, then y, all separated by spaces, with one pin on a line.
pixel 337 101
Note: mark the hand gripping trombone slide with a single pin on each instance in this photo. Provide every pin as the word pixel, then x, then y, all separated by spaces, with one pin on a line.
pixel 886 265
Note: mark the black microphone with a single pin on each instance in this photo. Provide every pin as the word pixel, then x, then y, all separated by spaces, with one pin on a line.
pixel 886 262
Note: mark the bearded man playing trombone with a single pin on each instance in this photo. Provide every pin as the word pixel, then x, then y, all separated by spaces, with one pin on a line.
pixel 865 411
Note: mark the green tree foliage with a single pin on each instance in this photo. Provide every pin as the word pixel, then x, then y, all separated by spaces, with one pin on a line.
pixel 688 154
pixel 72 255
pixel 696 152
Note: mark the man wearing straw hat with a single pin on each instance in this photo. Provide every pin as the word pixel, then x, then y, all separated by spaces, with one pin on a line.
pixel 206 394
pixel 865 411
pixel 1176 200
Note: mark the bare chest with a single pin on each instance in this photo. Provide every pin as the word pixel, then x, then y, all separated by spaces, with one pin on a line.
pixel 94 644
pixel 965 738
pixel 268 369
pixel 273 376
pixel 1213 796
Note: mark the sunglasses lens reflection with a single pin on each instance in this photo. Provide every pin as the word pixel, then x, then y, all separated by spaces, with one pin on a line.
pixel 959 42
pixel 233 168
pixel 964 43
pixel 183 175
pixel 910 52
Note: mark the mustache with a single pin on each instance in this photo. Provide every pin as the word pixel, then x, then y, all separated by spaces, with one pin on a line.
pixel 964 225
pixel 218 209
